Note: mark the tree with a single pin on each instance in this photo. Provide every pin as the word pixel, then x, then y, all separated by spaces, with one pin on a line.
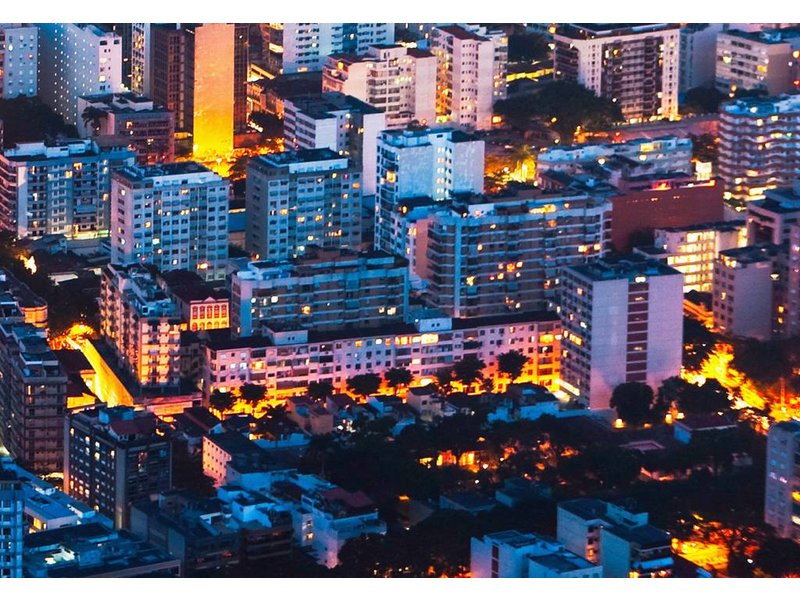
pixel 702 100
pixel 632 401
pixel 398 376
pixel 511 363
pixel 469 370
pixel 319 390
pixel 778 557
pixel 444 379
pixel 527 47
pixel 252 393
pixel 94 116
pixel 705 399
pixel 221 401
pixel 364 384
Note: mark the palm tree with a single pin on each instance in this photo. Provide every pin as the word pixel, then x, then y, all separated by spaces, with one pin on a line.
pixel 95 116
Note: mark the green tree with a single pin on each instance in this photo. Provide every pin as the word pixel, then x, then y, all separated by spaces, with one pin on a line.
pixel 702 100
pixel 364 384
pixel 221 401
pixel 319 390
pixel 252 393
pixel 93 116
pixel 444 379
pixel 778 557
pixel 632 401
pixel 398 376
pixel 512 364
pixel 469 370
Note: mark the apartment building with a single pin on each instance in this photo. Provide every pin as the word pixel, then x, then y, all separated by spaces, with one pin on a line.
pixel 142 324
pixel 340 123
pixel 749 291
pixel 11 516
pixel 471 75
pixel 300 47
pixel 758 60
pixel 769 221
pixel 635 66
pixel 301 198
pixel 19 60
pixel 526 555
pixel 201 306
pixel 325 290
pixel 58 188
pixel 782 488
pixel 397 80
pixel 622 317
pixel 114 457
pixel 136 121
pixel 759 145
pixel 173 216
pixel 698 53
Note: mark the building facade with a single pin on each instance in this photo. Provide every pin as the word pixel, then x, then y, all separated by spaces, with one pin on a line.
pixel 698 55
pixel 759 60
pixel 623 322
pixel 61 188
pixel 11 517
pixel 173 216
pixel 19 60
pixel 302 198
pixel 782 488
pixel 635 66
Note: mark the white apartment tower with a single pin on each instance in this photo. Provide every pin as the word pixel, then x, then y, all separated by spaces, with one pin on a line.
pixel 698 54
pixel 340 123
pixel 782 485
pixel 761 60
pixel 471 77
pixel 173 216
pixel 422 162
pixel 623 322
pixel 19 60
pixel 636 66
pixel 397 80
pixel 302 198
pixel 77 60
pixel 299 47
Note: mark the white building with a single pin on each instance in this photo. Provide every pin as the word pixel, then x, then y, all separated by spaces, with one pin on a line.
pixel 623 322
pixel 140 58
pixel 301 198
pixel 762 60
pixel 619 540
pixel 748 291
pixel 692 250
pixel 60 188
pixel 769 221
pixel 782 486
pixel 471 77
pixel 636 66
pixel 424 162
pixel 173 216
pixel 340 123
pixel 525 555
pixel 299 47
pixel 399 81
pixel 77 60
pixel 698 54
pixel 12 500
pixel 19 60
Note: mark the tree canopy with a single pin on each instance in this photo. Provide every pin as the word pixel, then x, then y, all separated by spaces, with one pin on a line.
pixel 469 370
pixel 633 402
pixel 527 47
pixel 319 390
pixel 30 120
pixel 512 363
pixel 398 376
pixel 364 384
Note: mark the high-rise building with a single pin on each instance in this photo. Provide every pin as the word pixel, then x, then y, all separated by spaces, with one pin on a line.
pixel 769 221
pixel 33 389
pixel 749 291
pixel 114 457
pixel 141 64
pixel 11 518
pixel 623 322
pixel 136 121
pixel 301 198
pixel 173 216
pixel 399 81
pixel 487 256
pixel 300 47
pixel 698 54
pixel 471 74
pixel 200 73
pixel 793 283
pixel 761 60
pixel 635 66
pixel 142 324
pixel 62 188
pixel 692 250
pixel 423 163
pixel 340 123
pixel 515 554
pixel 19 60
pixel 759 145
pixel 322 290
pixel 77 60
pixel 782 485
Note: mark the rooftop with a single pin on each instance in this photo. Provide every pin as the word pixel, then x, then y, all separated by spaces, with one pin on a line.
pixel 627 266
pixel 322 106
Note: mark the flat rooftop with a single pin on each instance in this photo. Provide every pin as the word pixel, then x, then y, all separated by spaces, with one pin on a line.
pixel 628 266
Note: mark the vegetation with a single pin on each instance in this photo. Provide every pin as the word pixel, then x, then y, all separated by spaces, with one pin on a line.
pixel 319 390
pixel 365 384
pixel 30 120
pixel 252 393
pixel 221 401
pixel 512 363
pixel 527 47
pixel 397 377
pixel 469 370
pixel 633 402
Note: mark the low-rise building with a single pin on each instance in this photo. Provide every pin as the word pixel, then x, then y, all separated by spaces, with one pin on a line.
pixel 525 555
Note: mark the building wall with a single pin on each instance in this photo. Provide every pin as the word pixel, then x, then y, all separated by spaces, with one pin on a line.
pixel 754 64
pixel 214 89
pixel 12 500
pixel 698 55
pixel 743 298
pixel 781 509
pixel 19 57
